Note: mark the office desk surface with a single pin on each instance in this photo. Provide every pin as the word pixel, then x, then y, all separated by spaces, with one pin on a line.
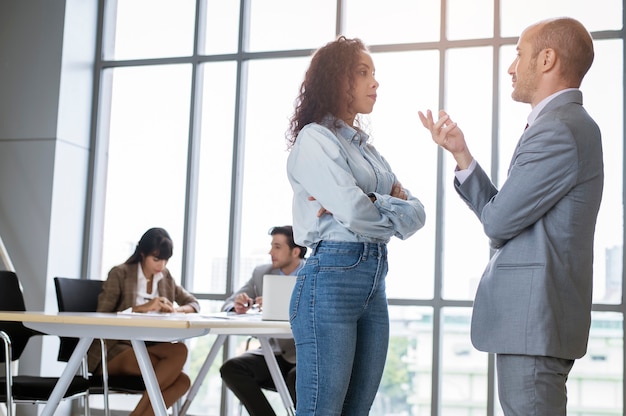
pixel 147 327
pixel 138 328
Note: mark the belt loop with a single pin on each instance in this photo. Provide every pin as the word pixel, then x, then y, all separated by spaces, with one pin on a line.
pixel 366 250
pixel 314 247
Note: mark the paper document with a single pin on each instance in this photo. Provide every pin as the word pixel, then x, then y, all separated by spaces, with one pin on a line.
pixel 231 315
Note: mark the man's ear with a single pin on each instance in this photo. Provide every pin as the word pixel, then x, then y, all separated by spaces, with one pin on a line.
pixel 547 59
pixel 296 251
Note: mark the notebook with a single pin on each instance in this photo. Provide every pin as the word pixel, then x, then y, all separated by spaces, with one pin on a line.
pixel 276 297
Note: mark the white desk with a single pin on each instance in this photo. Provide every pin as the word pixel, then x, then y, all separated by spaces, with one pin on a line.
pixel 147 327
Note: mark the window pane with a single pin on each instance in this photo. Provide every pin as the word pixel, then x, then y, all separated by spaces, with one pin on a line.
pixel 398 21
pixel 517 15
pixel 147 160
pixel 150 29
pixel 267 194
pixel 602 96
pixel 288 24
pixel 222 27
pixel 460 12
pixel 406 386
pixel 214 183
pixel 464 369
pixel 595 383
pixel 408 83
pixel 468 100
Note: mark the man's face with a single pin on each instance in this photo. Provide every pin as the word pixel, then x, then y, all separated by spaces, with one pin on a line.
pixel 282 254
pixel 523 70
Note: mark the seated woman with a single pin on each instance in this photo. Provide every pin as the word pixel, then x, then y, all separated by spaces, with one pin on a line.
pixel 143 284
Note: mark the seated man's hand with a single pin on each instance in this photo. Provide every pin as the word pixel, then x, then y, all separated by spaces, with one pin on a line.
pixel 259 302
pixel 243 303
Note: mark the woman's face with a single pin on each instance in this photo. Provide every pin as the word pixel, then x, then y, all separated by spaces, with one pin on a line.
pixel 364 88
pixel 152 265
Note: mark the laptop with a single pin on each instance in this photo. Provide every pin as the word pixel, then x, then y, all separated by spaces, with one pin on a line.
pixel 276 297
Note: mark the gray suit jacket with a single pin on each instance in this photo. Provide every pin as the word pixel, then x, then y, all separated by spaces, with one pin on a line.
pixel 534 297
pixel 254 287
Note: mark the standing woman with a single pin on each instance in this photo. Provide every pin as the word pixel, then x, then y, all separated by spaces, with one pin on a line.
pixel 143 284
pixel 347 204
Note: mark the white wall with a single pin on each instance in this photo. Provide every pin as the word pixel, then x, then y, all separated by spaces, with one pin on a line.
pixel 46 83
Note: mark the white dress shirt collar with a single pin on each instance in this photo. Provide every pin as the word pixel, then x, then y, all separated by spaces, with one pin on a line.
pixel 535 112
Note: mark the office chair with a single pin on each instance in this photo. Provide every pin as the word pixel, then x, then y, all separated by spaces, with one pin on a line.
pixel 19 389
pixel 81 295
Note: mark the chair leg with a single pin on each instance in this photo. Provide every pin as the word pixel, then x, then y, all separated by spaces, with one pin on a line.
pixel 87 410
pixel 8 370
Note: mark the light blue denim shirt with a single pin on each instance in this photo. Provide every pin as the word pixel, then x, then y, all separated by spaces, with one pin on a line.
pixel 338 168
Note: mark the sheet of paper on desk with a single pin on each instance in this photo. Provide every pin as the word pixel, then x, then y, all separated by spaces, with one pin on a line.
pixel 129 311
pixel 230 315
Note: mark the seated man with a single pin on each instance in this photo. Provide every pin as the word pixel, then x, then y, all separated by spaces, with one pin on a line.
pixel 247 374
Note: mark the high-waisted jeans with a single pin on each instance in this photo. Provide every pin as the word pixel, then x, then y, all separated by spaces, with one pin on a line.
pixel 340 324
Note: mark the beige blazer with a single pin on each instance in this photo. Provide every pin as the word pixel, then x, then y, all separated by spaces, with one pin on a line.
pixel 119 292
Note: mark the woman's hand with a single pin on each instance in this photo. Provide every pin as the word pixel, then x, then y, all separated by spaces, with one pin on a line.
pixel 322 210
pixel 397 191
pixel 158 304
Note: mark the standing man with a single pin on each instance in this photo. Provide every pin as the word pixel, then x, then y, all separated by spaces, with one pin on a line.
pixel 533 304
pixel 247 374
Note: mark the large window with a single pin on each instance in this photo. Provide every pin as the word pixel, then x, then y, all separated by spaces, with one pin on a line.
pixel 195 98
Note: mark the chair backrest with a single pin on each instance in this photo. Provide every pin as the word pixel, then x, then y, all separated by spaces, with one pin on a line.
pixel 75 295
pixel 12 299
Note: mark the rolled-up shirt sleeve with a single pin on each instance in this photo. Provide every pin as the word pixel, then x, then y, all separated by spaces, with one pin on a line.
pixel 406 216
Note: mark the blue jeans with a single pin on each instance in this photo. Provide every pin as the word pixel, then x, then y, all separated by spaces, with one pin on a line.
pixel 340 324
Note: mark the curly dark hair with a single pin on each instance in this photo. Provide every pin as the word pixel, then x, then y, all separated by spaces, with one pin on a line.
pixel 323 90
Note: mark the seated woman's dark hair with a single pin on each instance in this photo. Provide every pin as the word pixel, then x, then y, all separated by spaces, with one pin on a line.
pixel 154 242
